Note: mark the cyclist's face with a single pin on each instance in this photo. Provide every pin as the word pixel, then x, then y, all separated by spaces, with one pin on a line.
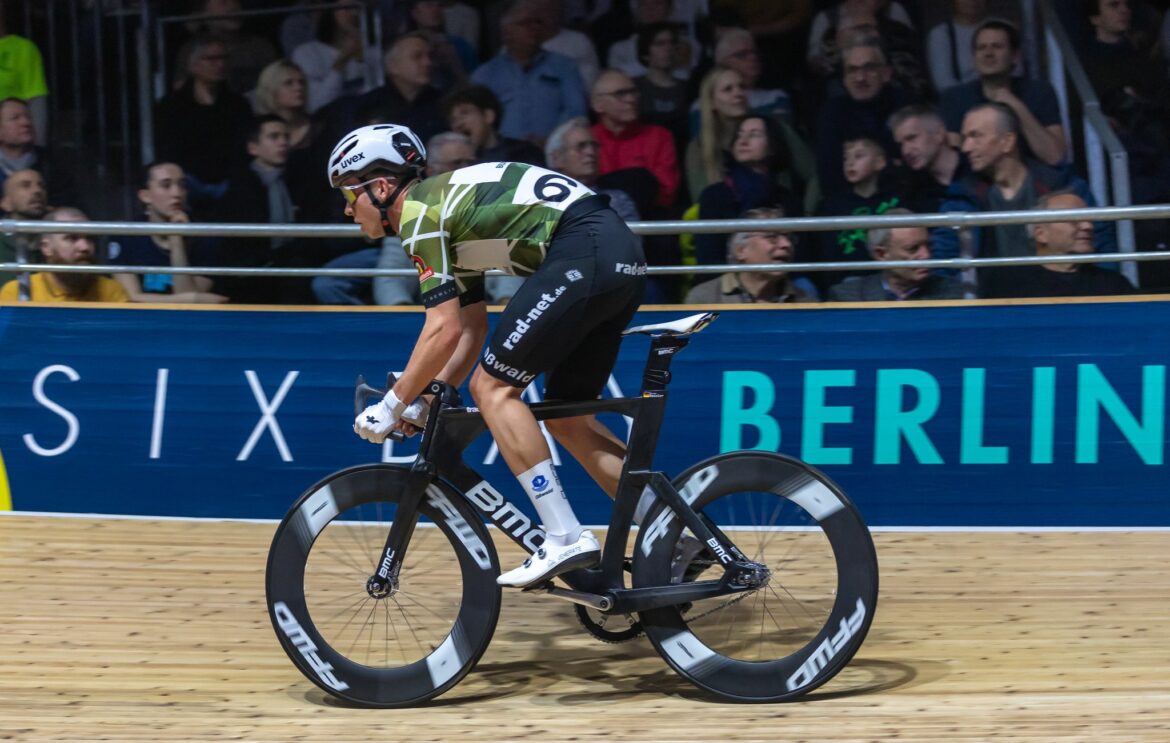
pixel 362 210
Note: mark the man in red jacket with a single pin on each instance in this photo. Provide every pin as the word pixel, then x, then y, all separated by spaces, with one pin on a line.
pixel 628 143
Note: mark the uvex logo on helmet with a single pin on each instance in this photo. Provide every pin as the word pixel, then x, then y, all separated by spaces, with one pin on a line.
pixel 351 160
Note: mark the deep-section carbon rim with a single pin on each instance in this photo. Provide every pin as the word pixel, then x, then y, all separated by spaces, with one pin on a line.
pixel 797 631
pixel 407 647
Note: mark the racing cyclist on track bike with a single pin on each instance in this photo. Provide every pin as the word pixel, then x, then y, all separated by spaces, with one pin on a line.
pixel 586 274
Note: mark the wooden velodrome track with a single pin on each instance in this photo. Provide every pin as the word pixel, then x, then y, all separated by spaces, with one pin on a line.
pixel 157 630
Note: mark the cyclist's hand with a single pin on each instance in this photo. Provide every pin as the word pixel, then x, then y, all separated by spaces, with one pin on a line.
pixel 407 429
pixel 375 422
pixel 417 412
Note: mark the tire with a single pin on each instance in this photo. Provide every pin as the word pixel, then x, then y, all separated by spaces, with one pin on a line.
pixel 396 651
pixel 798 630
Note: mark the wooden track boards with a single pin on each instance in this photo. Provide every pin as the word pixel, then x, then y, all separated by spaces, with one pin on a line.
pixel 157 630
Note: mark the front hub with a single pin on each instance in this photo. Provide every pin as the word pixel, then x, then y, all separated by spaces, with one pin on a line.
pixel 379 587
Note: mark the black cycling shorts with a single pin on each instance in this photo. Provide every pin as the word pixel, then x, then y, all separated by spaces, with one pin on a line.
pixel 567 318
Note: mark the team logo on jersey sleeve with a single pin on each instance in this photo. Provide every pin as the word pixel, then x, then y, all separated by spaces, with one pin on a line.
pixel 424 271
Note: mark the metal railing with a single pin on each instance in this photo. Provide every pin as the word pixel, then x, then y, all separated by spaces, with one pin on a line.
pixel 960 220
pixel 1105 157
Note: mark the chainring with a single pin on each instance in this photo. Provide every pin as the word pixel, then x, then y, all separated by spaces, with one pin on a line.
pixel 610 628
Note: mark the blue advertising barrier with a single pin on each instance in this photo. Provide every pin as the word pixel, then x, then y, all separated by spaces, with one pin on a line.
pixel 955 415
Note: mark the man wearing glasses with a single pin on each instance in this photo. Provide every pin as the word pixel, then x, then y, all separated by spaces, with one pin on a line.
pixel 747 287
pixel 628 143
pixel 586 275
pixel 863 110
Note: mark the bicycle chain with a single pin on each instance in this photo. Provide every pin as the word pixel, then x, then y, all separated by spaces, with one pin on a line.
pixel 724 605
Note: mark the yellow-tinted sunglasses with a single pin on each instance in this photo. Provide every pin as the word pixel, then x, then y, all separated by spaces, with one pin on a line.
pixel 350 192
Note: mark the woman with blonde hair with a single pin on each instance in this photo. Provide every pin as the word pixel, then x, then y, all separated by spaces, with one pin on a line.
pixel 723 102
pixel 283 90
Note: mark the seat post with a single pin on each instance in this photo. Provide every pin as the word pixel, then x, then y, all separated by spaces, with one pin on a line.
pixel 657 373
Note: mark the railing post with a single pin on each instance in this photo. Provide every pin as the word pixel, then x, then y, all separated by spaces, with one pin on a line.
pixel 1095 157
pixel 1126 241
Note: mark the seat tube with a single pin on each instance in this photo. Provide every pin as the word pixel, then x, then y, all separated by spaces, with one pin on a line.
pixel 655 378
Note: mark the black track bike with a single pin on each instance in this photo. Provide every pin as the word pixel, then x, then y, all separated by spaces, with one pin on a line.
pixel 752 574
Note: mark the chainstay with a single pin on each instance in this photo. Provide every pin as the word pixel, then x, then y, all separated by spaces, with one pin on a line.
pixel 721 607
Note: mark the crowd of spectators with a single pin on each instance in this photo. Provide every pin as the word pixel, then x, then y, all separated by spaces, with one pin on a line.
pixel 708 109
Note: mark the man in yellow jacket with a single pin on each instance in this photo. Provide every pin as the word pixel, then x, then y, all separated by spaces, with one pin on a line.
pixel 68 250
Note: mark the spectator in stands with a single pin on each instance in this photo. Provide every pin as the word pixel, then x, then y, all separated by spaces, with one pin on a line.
pixel 1002 180
pixel 662 98
pixel 407 98
pixel 24 199
pixel 67 250
pixel 568 42
pixel 864 167
pixel 282 91
pixel 628 143
pixel 897 284
pixel 22 76
pixel 463 20
pixel 1133 88
pixel 454 59
pixel 933 171
pixel 262 193
pixel 475 112
pixel 863 111
pixel 1056 279
pixel 722 104
pixel 736 49
pixel 759 174
pixel 573 149
pixel 201 126
pixel 337 62
pixel 164 197
pixel 19 151
pixel 850 20
pixel 537 89
pixel 950 45
pixel 623 55
pixel 779 30
pixel 747 287
pixel 246 53
pixel 997 48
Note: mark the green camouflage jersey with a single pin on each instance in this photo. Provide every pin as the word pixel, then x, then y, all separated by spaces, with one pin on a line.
pixel 492 215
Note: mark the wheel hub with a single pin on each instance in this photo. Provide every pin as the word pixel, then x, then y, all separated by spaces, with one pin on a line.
pixel 380 588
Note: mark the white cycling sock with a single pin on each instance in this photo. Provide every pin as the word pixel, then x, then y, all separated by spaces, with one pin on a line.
pixel 552 505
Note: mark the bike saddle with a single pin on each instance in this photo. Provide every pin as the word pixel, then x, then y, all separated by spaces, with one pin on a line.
pixel 685 326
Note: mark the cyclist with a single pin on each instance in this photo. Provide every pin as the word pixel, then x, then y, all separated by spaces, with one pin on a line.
pixel 586 274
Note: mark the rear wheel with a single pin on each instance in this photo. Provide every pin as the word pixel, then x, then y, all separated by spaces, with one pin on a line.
pixel 374 647
pixel 816 600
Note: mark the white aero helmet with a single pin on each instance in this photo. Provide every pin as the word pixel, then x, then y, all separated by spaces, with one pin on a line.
pixel 366 152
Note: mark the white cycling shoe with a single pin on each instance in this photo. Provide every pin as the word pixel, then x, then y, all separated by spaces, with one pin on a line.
pixel 551 560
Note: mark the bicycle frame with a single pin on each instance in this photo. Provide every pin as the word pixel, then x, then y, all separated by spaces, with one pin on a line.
pixel 441 456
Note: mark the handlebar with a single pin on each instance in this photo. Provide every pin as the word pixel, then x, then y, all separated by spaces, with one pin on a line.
pixel 363 391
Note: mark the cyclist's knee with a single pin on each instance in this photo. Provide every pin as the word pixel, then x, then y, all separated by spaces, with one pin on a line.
pixel 486 389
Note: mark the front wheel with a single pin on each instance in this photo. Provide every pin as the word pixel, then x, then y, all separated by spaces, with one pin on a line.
pixel 380 648
pixel 815 604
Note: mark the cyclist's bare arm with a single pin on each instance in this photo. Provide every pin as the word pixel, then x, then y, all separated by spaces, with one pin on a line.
pixel 436 348
pixel 474 331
